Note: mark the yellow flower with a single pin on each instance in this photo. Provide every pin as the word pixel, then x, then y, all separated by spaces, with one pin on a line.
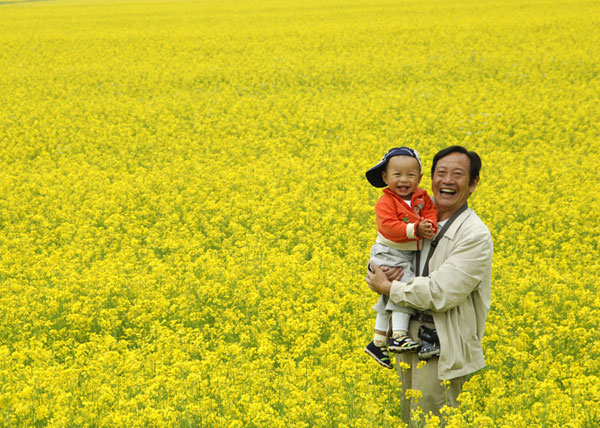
pixel 185 222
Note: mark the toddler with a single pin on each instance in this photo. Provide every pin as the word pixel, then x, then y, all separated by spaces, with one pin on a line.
pixel 405 215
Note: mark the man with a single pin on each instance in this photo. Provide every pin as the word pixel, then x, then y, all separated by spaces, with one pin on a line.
pixel 453 293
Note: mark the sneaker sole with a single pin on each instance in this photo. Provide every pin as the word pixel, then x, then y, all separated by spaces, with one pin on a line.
pixel 387 366
pixel 428 355
pixel 398 350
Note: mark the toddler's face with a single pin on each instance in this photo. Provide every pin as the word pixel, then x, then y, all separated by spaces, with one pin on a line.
pixel 402 175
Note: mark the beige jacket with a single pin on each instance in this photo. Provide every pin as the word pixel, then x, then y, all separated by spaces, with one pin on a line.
pixel 457 292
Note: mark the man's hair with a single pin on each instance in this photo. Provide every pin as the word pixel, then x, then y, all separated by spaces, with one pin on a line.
pixel 473 157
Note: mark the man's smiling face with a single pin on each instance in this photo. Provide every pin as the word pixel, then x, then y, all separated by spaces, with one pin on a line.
pixel 450 184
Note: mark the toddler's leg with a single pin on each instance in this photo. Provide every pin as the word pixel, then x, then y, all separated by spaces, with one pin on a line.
pixel 401 341
pixel 378 346
pixel 382 326
pixel 400 322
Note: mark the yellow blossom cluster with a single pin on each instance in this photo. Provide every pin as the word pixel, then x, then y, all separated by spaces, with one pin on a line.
pixel 185 221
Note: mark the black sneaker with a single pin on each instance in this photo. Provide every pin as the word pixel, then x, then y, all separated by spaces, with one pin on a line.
pixel 429 350
pixel 380 354
pixel 403 344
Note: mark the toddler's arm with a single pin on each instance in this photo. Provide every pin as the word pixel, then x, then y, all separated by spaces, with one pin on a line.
pixel 425 229
pixel 429 213
pixel 392 225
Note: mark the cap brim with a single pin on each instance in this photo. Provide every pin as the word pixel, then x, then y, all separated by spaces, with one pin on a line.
pixel 374 174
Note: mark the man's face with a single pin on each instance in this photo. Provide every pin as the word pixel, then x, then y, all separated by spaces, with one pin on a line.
pixel 402 175
pixel 450 183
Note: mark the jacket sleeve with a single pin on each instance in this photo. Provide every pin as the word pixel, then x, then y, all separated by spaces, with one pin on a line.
pixel 390 224
pixel 450 284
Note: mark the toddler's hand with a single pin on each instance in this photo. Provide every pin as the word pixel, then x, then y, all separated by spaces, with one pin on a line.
pixel 425 229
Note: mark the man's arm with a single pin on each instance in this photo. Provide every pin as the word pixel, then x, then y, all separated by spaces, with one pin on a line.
pixel 450 284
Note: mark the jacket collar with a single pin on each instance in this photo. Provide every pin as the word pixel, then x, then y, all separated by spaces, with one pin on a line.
pixel 451 232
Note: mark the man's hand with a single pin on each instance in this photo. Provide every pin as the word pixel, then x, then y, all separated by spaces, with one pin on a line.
pixel 425 229
pixel 377 280
pixel 393 273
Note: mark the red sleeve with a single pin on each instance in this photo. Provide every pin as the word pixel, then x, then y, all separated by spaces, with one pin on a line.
pixel 390 222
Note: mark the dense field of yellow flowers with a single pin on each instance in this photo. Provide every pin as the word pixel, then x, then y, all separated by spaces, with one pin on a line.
pixel 185 221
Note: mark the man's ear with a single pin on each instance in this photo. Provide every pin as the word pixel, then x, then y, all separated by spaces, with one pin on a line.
pixel 473 185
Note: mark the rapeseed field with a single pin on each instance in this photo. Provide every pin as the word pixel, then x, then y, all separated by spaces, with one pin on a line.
pixel 185 221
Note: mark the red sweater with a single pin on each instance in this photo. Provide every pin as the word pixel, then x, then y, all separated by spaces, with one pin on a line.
pixel 398 222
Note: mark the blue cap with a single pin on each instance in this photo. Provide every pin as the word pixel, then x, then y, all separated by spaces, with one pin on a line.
pixel 374 174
